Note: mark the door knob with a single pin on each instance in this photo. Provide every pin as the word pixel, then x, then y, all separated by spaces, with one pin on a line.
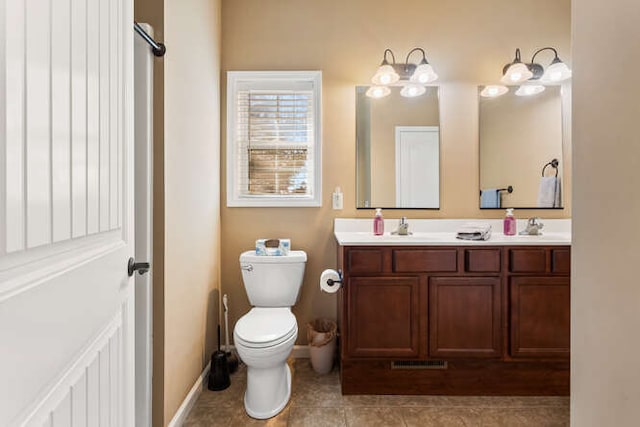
pixel 140 267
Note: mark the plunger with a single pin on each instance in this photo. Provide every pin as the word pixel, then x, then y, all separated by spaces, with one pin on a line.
pixel 232 359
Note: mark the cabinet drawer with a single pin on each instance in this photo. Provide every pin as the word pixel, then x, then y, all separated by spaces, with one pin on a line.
pixel 527 260
pixel 425 260
pixel 482 260
pixel 365 261
pixel 561 261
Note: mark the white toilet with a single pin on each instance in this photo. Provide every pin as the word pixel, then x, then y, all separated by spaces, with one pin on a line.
pixel 264 337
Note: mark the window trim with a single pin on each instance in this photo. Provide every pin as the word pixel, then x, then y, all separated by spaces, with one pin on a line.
pixel 233 198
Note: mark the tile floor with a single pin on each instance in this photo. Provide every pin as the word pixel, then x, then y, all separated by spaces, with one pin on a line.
pixel 316 401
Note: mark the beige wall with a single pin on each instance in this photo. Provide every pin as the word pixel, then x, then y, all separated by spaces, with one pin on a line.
pixel 466 41
pixel 191 192
pixel 518 136
pixel 186 269
pixel 387 113
pixel 605 291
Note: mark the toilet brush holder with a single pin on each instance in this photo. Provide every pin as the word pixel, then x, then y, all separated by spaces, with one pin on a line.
pixel 219 374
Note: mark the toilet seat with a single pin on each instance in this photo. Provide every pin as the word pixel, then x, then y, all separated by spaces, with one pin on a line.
pixel 265 327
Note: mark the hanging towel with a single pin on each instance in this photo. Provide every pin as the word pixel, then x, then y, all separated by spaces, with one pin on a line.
pixel 549 192
pixel 490 198
pixel 558 198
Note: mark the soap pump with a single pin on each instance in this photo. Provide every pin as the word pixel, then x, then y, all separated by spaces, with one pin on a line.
pixel 509 226
pixel 378 223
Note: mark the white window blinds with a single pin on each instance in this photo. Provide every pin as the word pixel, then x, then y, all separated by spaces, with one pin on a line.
pixel 274 138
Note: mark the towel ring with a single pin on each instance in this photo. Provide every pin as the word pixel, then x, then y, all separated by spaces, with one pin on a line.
pixel 554 164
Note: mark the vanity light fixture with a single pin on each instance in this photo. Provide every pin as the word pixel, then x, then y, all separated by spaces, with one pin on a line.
pixel 493 91
pixel 411 76
pixel 412 89
pixel 528 90
pixel 378 91
pixel 518 72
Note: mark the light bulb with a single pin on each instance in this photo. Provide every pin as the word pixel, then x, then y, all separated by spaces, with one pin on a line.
pixel 424 74
pixel 385 75
pixel 528 90
pixel 493 91
pixel 410 90
pixel 516 73
pixel 378 91
pixel 556 72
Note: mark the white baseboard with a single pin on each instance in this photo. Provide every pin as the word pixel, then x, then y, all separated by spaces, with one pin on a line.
pixel 183 411
pixel 299 352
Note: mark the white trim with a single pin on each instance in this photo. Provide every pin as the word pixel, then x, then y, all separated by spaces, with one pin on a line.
pixel 187 404
pixel 300 352
pixel 144 227
pixel 235 200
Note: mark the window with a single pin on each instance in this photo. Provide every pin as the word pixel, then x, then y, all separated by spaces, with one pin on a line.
pixel 273 138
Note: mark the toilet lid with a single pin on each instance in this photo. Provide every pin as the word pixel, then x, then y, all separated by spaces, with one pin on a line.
pixel 265 327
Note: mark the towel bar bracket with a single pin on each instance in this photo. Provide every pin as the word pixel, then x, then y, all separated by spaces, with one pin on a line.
pixel 158 49
pixel 554 164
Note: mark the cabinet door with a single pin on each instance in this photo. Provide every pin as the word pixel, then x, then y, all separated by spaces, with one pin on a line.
pixel 383 317
pixel 464 317
pixel 539 316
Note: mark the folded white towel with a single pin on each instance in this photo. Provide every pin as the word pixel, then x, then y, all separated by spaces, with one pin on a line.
pixel 549 192
pixel 474 231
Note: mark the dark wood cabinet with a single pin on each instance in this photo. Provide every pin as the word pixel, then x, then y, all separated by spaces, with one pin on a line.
pixel 383 317
pixel 539 317
pixel 464 317
pixel 467 320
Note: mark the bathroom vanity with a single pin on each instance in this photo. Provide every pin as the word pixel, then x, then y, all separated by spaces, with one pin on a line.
pixel 431 314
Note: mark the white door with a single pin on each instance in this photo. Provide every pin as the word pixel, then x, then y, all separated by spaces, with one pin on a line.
pixel 417 167
pixel 66 213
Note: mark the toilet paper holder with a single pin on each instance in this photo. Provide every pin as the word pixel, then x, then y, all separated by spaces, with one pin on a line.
pixel 332 282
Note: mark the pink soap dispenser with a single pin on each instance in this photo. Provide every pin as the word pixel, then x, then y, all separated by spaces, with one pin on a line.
pixel 378 223
pixel 509 228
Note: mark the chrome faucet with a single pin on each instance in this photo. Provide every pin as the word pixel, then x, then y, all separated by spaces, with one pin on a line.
pixel 403 227
pixel 534 225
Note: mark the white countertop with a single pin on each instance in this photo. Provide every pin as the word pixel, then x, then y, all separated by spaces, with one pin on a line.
pixel 442 232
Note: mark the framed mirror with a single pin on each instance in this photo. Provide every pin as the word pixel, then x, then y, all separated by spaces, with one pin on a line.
pixel 521 149
pixel 398 150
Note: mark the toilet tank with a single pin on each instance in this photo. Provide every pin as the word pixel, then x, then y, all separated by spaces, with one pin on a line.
pixel 273 281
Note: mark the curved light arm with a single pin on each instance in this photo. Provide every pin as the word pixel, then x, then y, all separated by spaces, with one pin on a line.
pixel 555 52
pixel 384 57
pixel 417 49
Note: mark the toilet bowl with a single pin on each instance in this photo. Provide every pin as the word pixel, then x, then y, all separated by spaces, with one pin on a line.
pixel 264 337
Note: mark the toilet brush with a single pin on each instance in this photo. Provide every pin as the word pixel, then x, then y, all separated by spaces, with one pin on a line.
pixel 219 372
pixel 232 359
